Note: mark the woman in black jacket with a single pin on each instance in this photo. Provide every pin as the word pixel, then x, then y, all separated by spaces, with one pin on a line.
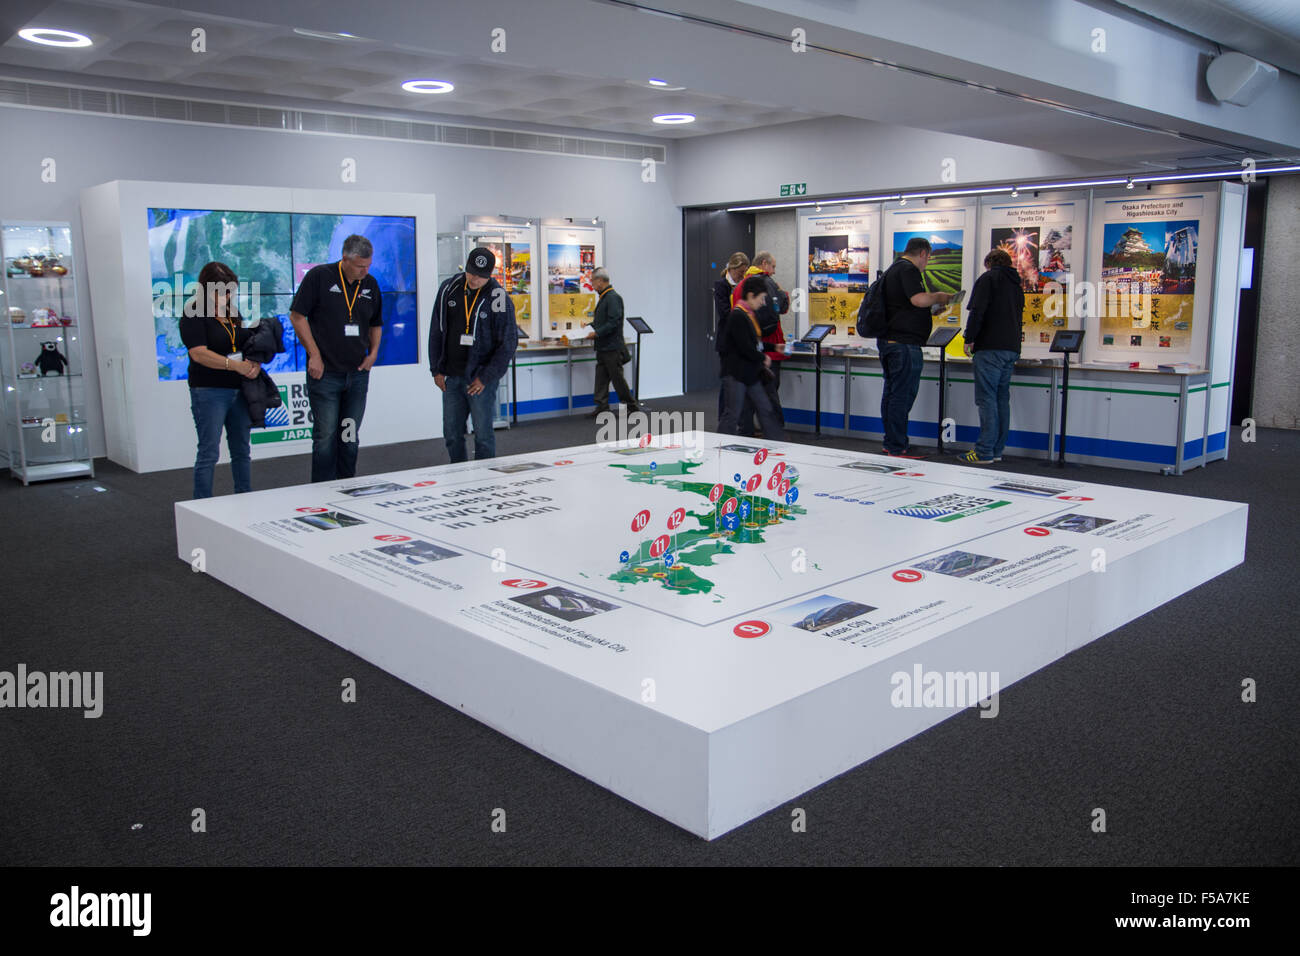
pixel 731 276
pixel 744 366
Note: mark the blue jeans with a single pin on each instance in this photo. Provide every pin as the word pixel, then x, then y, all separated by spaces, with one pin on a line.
pixel 213 410
pixel 457 406
pixel 902 365
pixel 338 402
pixel 993 397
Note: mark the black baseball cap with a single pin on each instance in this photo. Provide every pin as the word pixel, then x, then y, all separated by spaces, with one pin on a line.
pixel 481 262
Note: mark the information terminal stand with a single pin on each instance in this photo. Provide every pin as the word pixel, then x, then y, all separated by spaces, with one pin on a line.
pixel 814 337
pixel 639 326
pixel 1067 342
pixel 940 338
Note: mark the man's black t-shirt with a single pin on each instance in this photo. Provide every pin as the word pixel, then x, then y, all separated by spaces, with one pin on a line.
pixel 908 324
pixel 216 335
pixel 321 298
pixel 459 298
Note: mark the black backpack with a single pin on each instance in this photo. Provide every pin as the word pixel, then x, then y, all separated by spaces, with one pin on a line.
pixel 873 317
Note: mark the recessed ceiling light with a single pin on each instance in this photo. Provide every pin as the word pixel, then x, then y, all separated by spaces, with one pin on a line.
pixel 655 81
pixel 48 37
pixel 662 84
pixel 324 35
pixel 427 86
pixel 674 119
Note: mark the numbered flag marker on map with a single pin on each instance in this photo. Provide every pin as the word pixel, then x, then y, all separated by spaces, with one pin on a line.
pixel 755 480
pixel 676 518
pixel 715 493
pixel 760 456
pixel 659 546
pixel 641 520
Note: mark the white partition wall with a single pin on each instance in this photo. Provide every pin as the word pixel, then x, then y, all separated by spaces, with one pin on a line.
pixel 148 425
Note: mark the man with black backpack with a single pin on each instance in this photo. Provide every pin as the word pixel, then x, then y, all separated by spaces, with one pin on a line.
pixel 896 310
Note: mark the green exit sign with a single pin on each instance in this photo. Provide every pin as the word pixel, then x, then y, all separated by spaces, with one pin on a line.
pixel 794 189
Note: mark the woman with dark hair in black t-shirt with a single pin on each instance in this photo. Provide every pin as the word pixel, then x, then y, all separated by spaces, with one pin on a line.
pixel 213 332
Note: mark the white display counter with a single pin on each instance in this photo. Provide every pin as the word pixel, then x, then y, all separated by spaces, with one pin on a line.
pixel 532 592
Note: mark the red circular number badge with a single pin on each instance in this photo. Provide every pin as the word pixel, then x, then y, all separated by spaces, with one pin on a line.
pixel 751 629
pixel 784 488
pixel 1038 532
pixel 729 506
pixel 676 518
pixel 659 546
pixel 564 461
pixel 754 482
pixel 423 484
pixel 760 456
pixel 715 493
pixel 312 511
pixel 641 520
pixel 1074 497
pixel 779 469
pixel 908 575
pixel 392 537
pixel 645 441
pixel 523 583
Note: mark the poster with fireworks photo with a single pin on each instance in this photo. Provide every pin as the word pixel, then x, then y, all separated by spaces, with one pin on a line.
pixel 1039 238
pixel 1148 275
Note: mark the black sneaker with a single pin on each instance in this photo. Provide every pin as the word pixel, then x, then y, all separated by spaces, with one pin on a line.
pixel 908 452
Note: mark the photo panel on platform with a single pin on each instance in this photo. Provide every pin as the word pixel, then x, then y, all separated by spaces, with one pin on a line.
pixel 950 228
pixel 839 254
pixel 572 253
pixel 513 240
pixel 1045 237
pixel 1152 304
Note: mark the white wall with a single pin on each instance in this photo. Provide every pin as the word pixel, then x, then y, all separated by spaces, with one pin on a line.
pixel 840 155
pixel 643 232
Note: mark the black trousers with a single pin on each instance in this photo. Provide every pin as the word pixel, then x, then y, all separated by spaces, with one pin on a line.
pixel 773 389
pixel 609 370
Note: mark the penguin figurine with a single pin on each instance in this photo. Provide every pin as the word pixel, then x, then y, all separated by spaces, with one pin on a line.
pixel 51 359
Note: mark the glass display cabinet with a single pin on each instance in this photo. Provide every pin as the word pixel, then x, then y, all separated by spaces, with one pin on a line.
pixel 42 385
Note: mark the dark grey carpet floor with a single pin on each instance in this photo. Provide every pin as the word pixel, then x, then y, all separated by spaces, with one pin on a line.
pixel 214 701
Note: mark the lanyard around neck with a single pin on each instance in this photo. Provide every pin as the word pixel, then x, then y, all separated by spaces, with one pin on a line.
pixel 353 301
pixel 469 307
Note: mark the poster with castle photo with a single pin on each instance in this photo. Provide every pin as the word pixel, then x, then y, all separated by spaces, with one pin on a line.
pixel 1148 274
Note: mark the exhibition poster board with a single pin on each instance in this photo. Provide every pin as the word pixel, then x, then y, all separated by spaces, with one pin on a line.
pixel 950 230
pixel 514 243
pixel 839 255
pixel 136 230
pixel 1045 242
pixel 1152 307
pixel 572 253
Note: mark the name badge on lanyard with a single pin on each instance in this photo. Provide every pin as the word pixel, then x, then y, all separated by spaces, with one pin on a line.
pixel 467 338
pixel 350 328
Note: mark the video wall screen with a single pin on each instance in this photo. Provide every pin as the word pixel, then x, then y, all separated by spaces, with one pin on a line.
pixel 275 250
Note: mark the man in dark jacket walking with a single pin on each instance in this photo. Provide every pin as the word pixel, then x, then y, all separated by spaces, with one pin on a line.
pixel 607 330
pixel 997 305
pixel 472 338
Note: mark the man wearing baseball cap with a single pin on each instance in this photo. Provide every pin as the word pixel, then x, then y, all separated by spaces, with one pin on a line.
pixel 472 338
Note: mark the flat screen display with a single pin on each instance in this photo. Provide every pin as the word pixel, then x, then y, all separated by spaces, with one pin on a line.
pixel 817 333
pixel 638 323
pixel 1067 340
pixel 275 250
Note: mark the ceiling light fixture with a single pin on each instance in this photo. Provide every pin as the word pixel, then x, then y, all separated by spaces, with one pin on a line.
pixel 902 200
pixel 655 81
pixel 46 36
pixel 1014 192
pixel 673 119
pixel 1130 183
pixel 427 86
pixel 594 220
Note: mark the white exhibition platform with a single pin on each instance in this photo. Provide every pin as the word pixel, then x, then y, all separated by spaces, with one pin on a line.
pixel 761 662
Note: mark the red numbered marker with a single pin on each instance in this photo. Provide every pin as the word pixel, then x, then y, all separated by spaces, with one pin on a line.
pixel 773 481
pixel 779 469
pixel 751 629
pixel 424 484
pixel 659 546
pixel 784 488
pixel 754 482
pixel 523 583
pixel 564 462
pixel 1038 532
pixel 909 474
pixel 392 537
pixel 715 493
pixel 311 511
pixel 1074 497
pixel 645 441
pixel 676 518
pixel 729 506
pixel 641 520
pixel 760 456
pixel 908 575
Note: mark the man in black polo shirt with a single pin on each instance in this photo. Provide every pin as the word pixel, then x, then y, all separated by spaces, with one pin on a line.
pixel 908 306
pixel 338 316
pixel 472 337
